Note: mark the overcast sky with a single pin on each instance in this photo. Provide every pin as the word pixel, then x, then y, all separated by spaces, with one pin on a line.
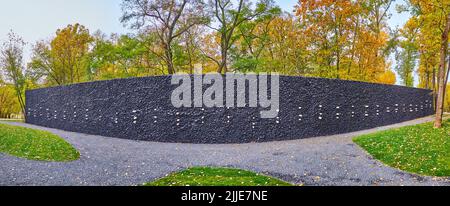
pixel 35 20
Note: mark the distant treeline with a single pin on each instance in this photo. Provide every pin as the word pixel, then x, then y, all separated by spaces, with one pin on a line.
pixel 348 40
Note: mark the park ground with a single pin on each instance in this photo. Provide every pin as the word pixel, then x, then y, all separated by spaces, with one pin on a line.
pixel 403 157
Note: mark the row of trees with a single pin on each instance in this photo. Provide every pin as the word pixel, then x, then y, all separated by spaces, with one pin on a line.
pixel 423 48
pixel 323 38
pixel 333 39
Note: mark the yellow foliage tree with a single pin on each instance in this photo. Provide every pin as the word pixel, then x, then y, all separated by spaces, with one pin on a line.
pixel 64 60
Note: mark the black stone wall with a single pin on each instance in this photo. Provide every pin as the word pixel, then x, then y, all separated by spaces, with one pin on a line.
pixel 141 109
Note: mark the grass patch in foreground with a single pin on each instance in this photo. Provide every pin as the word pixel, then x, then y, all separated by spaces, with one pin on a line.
pixel 35 144
pixel 206 176
pixel 419 149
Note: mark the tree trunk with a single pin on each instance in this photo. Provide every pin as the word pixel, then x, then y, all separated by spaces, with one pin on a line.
pixel 223 63
pixel 441 76
pixel 169 59
pixel 22 106
pixel 170 67
pixel 191 65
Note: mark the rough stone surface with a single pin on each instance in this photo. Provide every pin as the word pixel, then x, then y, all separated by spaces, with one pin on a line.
pixel 331 160
pixel 141 109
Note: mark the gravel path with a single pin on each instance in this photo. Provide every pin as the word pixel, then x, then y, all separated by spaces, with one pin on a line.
pixel 331 160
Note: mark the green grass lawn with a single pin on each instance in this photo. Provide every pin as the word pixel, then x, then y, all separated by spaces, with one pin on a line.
pixel 419 149
pixel 35 144
pixel 205 176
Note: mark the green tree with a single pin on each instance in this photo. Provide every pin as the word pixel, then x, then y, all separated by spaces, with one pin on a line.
pixel 8 101
pixel 169 19
pixel 119 57
pixel 11 63
pixel 254 39
pixel 228 18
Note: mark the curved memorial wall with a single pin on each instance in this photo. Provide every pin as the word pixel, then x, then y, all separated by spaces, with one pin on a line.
pixel 141 109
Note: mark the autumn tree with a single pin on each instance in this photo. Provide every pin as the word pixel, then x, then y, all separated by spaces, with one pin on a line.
pixel 65 59
pixel 407 52
pixel 347 39
pixel 168 19
pixel 442 74
pixel 9 103
pixel 12 66
pixel 379 41
pixel 428 48
pixel 433 24
pixel 287 50
pixel 329 24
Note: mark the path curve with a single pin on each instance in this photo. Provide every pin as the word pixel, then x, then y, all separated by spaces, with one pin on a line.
pixel 331 160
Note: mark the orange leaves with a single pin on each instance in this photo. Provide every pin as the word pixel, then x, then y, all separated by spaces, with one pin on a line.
pixel 74 37
pixel 64 60
pixel 347 39
pixel 423 31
